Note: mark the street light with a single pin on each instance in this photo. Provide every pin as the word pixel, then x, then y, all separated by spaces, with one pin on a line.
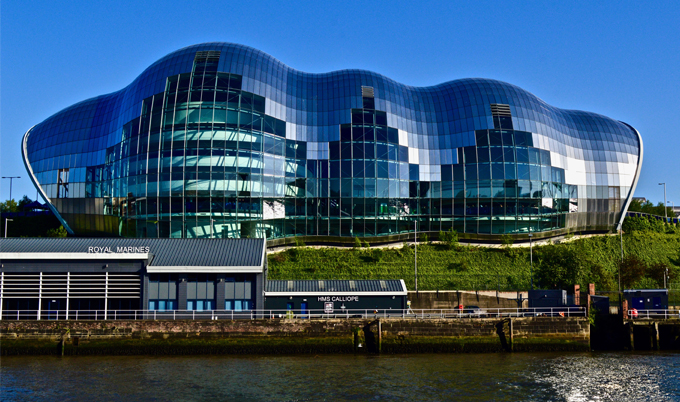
pixel 10 183
pixel 665 214
pixel 415 254
pixel 620 229
pixel 7 219
pixel 531 257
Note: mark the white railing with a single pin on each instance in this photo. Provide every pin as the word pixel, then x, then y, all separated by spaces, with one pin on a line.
pixel 79 315
pixel 659 314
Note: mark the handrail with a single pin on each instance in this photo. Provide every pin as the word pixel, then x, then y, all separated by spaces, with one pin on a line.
pixel 654 314
pixel 424 314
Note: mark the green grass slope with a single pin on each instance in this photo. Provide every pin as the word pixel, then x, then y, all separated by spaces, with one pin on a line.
pixel 580 261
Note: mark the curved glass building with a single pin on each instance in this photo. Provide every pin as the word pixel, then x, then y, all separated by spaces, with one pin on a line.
pixel 222 140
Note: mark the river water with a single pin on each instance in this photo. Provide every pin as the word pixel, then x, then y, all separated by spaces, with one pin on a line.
pixel 437 377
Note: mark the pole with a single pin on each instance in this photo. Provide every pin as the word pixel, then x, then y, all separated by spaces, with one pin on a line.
pixel 10 183
pixel 7 219
pixel 621 239
pixel 531 258
pixel 415 254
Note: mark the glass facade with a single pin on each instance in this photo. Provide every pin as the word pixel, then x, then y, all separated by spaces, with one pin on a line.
pixel 222 140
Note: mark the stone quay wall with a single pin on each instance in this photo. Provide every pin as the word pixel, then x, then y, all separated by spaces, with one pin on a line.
pixel 292 336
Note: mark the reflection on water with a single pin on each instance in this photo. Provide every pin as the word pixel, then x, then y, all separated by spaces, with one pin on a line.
pixel 470 377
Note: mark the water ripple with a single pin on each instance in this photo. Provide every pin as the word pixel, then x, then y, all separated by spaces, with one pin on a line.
pixel 472 377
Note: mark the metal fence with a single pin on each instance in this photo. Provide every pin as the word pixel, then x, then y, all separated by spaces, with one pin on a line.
pixel 134 315
pixel 673 295
pixel 654 314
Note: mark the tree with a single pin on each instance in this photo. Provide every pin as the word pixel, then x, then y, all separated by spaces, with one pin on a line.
pixel 59 232
pixel 635 206
pixel 658 271
pixel 559 267
pixel 632 270
pixel 648 208
pixel 9 206
pixel 23 202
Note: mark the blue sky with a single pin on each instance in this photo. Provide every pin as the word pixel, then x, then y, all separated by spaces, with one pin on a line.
pixel 620 59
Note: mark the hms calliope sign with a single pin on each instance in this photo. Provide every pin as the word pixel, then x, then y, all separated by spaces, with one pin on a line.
pixel 131 249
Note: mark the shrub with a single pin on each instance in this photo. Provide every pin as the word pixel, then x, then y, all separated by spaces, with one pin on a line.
pixel 58 232
pixel 449 239
pixel 507 240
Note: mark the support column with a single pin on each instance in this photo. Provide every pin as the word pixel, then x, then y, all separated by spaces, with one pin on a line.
pixel 39 296
pixel 68 291
pixel 512 337
pixel 577 295
pixel 631 335
pixel 2 290
pixel 106 296
pixel 655 336
pixel 379 336
pixel 259 292
pixel 144 297
pixel 219 292
pixel 182 292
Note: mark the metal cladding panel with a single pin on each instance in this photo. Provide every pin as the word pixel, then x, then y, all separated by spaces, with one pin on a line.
pixel 334 286
pixel 166 252
pixel 501 150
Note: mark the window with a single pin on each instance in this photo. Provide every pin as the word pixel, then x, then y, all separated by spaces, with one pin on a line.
pixel 238 304
pixel 239 293
pixel 162 305
pixel 200 304
pixel 162 292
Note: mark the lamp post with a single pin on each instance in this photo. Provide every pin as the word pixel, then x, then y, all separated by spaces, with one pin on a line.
pixel 211 228
pixel 531 259
pixel 665 214
pixel 7 219
pixel 10 183
pixel 620 229
pixel 415 254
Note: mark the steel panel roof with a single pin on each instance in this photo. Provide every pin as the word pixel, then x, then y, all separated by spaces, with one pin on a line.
pixel 166 252
pixel 335 286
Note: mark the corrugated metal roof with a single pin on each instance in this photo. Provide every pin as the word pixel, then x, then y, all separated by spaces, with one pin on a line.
pixel 166 252
pixel 334 286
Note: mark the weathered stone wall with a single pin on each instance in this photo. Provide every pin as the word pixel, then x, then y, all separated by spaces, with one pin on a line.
pixel 292 336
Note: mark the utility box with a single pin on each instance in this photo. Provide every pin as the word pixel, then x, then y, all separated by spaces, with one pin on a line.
pixel 647 299
pixel 600 303
pixel 547 298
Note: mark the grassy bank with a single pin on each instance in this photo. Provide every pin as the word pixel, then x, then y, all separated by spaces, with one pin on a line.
pixel 579 261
